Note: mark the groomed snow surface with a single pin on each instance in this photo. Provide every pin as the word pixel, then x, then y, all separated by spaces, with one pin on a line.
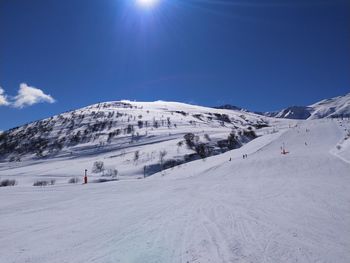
pixel 266 208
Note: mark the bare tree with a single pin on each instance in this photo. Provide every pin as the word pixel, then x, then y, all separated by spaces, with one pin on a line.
pixel 98 167
pixel 206 136
pixel 136 156
pixel 162 154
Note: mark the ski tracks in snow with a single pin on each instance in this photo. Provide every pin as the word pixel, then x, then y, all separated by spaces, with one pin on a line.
pixel 265 209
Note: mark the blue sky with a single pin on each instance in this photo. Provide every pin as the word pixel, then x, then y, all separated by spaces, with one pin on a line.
pixel 261 55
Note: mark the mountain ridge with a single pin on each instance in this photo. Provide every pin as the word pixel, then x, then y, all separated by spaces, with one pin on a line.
pixel 336 107
pixel 129 135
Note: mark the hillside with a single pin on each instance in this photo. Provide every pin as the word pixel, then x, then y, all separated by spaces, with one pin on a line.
pixel 135 138
pixel 337 107
pixel 266 208
pixel 167 182
pixel 332 108
pixel 294 112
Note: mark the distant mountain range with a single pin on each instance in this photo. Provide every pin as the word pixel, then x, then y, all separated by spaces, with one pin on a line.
pixel 328 108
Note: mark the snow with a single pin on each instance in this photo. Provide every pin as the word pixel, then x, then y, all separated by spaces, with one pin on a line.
pixel 331 107
pixel 342 149
pixel 266 208
pixel 118 153
pixel 328 108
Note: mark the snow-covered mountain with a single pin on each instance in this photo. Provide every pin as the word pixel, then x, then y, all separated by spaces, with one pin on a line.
pixel 328 108
pixel 265 207
pixel 331 108
pixel 268 207
pixel 294 112
pixel 120 131
pixel 127 136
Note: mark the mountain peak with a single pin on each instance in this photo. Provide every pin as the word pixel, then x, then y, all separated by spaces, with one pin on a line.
pixel 328 108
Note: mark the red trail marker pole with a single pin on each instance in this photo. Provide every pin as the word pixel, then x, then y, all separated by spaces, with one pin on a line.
pixel 85 177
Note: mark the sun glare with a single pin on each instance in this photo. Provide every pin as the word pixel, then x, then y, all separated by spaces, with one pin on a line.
pixel 147 3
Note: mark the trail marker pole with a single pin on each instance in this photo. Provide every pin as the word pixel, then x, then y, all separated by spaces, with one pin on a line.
pixel 85 177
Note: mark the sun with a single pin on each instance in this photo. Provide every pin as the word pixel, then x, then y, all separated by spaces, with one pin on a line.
pixel 147 3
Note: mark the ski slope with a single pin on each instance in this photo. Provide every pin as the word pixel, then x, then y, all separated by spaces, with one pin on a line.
pixel 266 208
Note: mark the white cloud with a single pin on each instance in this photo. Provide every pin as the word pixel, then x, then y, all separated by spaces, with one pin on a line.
pixel 3 98
pixel 28 96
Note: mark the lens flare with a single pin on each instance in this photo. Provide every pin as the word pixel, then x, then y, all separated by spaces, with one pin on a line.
pixel 147 3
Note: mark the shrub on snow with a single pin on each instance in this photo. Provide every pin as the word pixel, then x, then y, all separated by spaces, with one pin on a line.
pixel 98 167
pixel 111 173
pixel 44 182
pixel 7 182
pixel 74 180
